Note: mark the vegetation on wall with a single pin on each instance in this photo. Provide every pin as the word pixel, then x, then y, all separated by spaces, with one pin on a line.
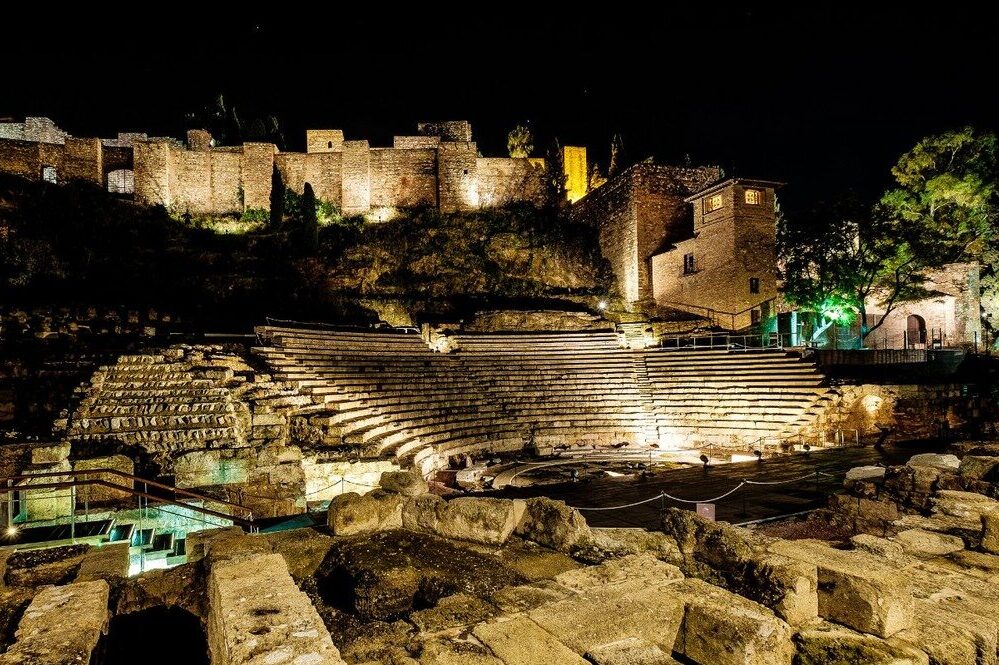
pixel 74 244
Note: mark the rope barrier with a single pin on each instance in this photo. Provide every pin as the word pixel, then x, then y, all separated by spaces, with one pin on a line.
pixel 742 483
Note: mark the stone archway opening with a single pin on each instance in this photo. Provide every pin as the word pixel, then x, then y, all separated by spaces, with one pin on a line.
pixel 915 331
pixel 155 636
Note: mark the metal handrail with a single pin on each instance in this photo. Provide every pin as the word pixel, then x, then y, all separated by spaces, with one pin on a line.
pixel 714 315
pixel 131 490
pixel 732 341
pixel 129 476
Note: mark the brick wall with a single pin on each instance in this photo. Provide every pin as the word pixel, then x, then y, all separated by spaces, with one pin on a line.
pixel 502 180
pixel 83 159
pixel 257 166
pixel 356 178
pixel 403 178
pixel 152 171
pixel 323 140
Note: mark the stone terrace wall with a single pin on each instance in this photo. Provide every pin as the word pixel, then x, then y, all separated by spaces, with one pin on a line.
pixel 403 178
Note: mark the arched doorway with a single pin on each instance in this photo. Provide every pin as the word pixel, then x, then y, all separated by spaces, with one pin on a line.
pixel 915 332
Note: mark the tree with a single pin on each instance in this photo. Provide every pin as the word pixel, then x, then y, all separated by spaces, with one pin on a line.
pixel 520 141
pixel 277 198
pixel 309 221
pixel 616 156
pixel 846 255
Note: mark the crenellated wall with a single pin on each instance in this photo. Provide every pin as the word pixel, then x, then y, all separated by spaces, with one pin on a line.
pixel 440 167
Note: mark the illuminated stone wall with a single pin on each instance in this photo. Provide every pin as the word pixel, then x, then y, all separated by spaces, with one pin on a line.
pixel 951 313
pixel 577 173
pixel 438 167
pixel 639 211
pixel 732 245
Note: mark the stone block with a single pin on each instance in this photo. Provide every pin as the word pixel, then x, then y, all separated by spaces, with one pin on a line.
pixel 406 483
pixel 553 524
pixel 351 514
pixel 966 506
pixel 97 494
pixel 452 612
pixel 918 542
pixel 643 570
pixel 520 641
pixel 944 462
pixel 951 636
pixel 788 586
pixel 258 616
pixel 722 628
pixel 478 520
pixel 880 547
pixel 514 599
pixel 106 562
pixel 863 473
pixel 50 453
pixel 980 467
pixel 609 613
pixel 854 588
pixel 198 542
pixel 829 643
pixel 990 532
pixel 630 651
pixel 622 541
pixel 63 624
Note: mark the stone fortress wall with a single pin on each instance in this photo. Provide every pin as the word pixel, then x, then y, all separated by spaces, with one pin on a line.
pixel 439 167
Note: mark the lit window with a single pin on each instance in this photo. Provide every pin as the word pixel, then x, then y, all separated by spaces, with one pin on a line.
pixel 754 284
pixel 49 174
pixel 688 264
pixel 713 203
pixel 754 197
pixel 755 316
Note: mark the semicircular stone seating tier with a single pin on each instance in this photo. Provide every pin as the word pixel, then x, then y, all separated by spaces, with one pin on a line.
pixel 378 394
pixel 182 399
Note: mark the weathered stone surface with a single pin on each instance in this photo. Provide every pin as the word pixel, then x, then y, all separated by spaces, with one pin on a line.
pixel 236 547
pixel 351 514
pixel 854 588
pixel 864 473
pixel 198 541
pixel 630 651
pixel 257 616
pixel 918 542
pixel 182 586
pixel 935 460
pixel 881 547
pixel 965 505
pixel 61 625
pixel 829 643
pixel 97 494
pixel 990 532
pixel 721 627
pixel 534 562
pixel 406 483
pixel 553 524
pixel 980 467
pixel 54 565
pixel 520 641
pixel 641 570
pixel 303 550
pixel 107 562
pixel 636 541
pixel 478 520
pixel 612 612
pixel 951 636
pixel 789 587
pixel 514 599
pixel 453 611
pixel 454 652
pixel 50 453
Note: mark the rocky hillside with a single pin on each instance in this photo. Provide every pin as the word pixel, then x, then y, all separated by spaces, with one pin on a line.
pixel 76 244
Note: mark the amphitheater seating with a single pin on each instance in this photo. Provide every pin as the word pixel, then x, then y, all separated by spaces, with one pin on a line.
pixel 389 394
pixel 157 403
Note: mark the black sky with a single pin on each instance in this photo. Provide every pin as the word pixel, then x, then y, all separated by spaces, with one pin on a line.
pixel 823 97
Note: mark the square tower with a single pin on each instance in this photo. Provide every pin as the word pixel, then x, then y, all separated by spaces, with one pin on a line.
pixel 728 269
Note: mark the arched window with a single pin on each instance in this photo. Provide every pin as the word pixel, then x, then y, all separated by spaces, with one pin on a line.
pixel 329 144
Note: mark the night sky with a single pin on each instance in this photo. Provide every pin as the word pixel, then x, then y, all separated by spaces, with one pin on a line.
pixel 823 98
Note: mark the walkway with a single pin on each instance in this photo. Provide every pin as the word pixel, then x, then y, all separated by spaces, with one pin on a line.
pixel 751 502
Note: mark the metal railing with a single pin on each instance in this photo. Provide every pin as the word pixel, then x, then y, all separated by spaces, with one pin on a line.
pixel 730 341
pixel 240 515
pixel 719 317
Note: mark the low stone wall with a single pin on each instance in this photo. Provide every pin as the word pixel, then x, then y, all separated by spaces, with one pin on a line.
pixel 63 624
